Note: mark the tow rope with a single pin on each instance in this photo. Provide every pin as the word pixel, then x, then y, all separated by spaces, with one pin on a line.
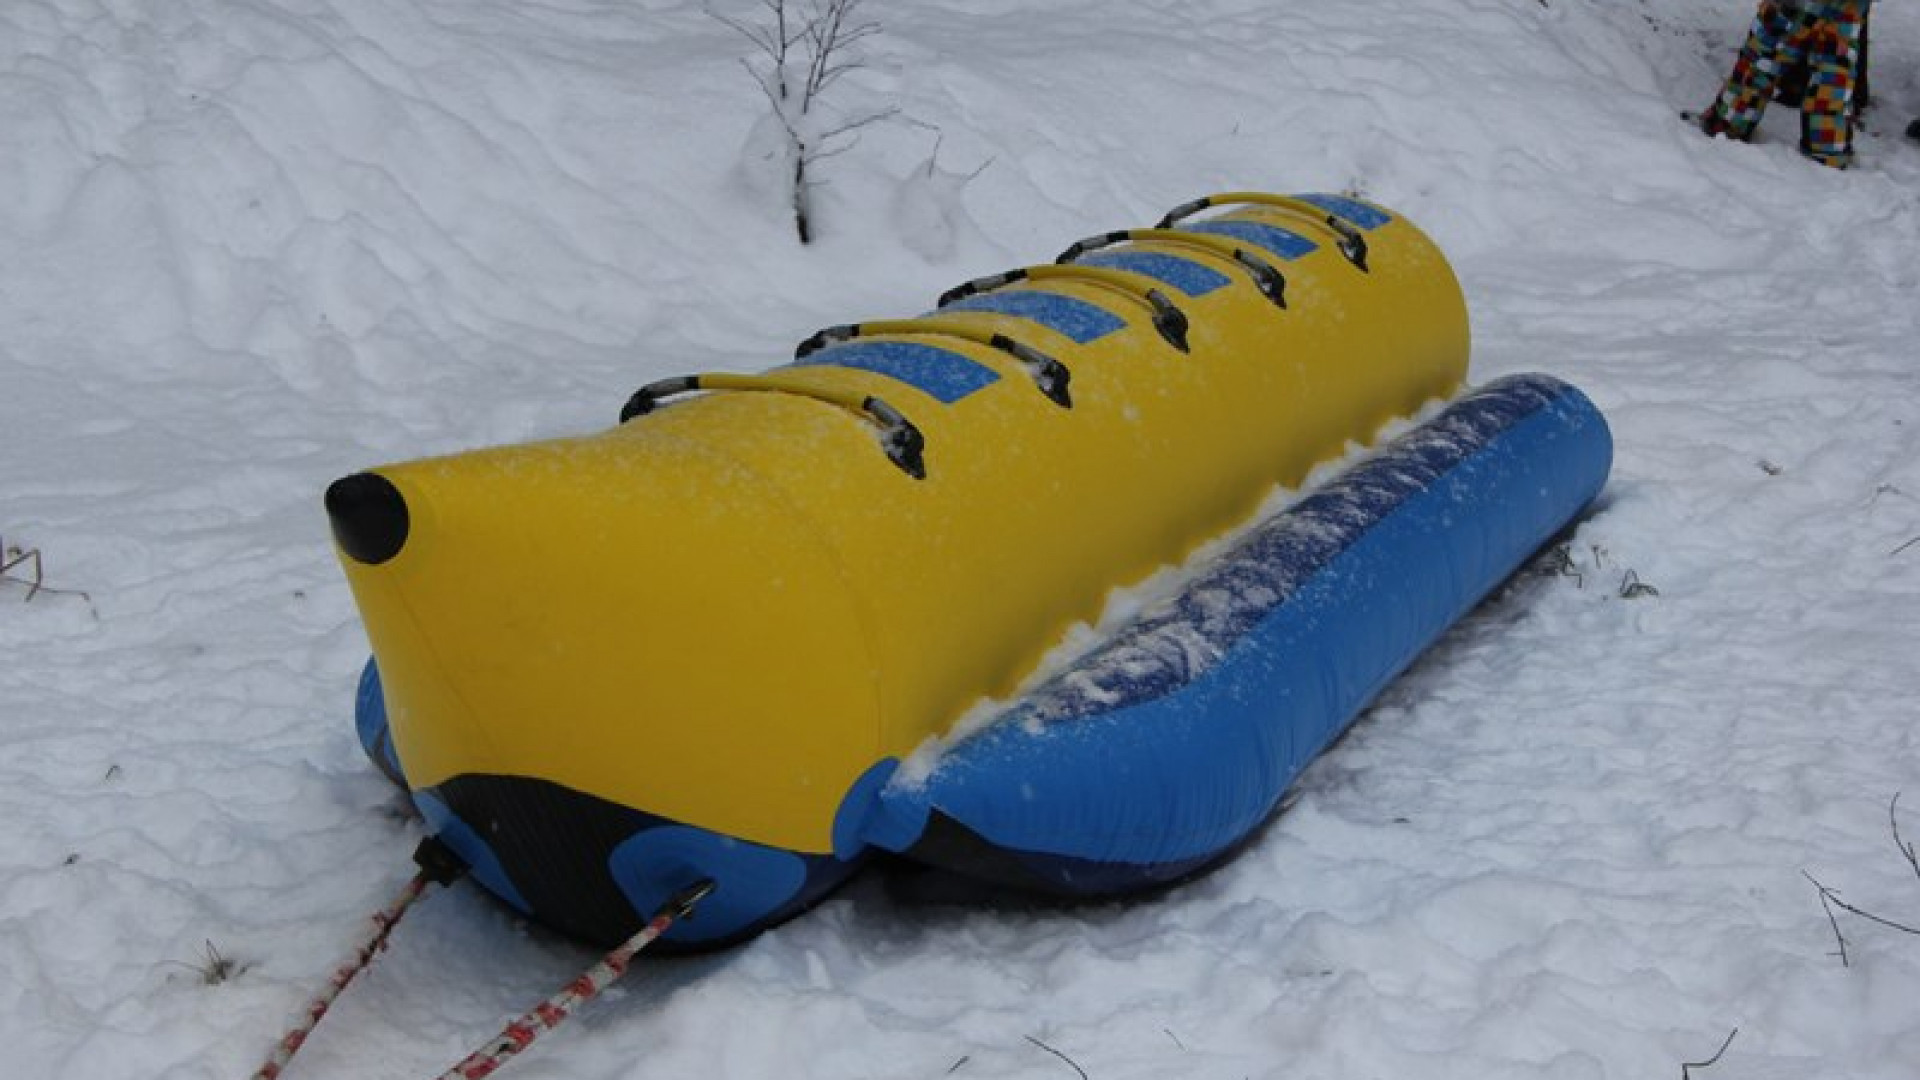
pixel 547 1015
pixel 440 866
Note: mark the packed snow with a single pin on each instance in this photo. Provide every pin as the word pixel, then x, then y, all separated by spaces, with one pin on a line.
pixel 255 245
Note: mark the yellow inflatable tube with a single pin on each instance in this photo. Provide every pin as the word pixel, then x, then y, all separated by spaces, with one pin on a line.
pixel 730 607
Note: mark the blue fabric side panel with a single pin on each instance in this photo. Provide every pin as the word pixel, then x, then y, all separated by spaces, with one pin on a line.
pixel 860 803
pixel 1352 210
pixel 370 724
pixel 754 883
pixel 943 374
pixel 1174 740
pixel 1184 274
pixel 1285 243
pixel 1068 315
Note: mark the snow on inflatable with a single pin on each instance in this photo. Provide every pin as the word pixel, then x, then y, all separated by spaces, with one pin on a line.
pixel 759 594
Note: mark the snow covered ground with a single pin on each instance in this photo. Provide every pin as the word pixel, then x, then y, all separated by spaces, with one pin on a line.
pixel 252 245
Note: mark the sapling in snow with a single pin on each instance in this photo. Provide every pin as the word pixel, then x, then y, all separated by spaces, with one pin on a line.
pixel 800 52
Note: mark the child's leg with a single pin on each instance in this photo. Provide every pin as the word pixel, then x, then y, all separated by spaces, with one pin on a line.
pixel 1826 114
pixel 1736 112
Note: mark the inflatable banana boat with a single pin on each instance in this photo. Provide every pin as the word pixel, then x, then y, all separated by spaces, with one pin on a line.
pixel 700 645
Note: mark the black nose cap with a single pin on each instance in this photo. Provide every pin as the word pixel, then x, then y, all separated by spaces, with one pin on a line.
pixel 369 517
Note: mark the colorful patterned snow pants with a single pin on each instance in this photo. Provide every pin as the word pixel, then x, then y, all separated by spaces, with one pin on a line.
pixel 1825 37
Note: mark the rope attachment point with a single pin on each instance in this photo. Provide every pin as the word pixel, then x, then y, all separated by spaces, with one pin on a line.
pixel 438 862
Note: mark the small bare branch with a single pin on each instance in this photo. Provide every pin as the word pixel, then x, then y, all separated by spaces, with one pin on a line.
pixel 1061 1056
pixel 833 73
pixel 1831 920
pixel 829 38
pixel 1905 546
pixel 1906 847
pixel 773 102
pixel 1871 917
pixel 1829 894
pixel 761 39
pixel 774 43
pixel 857 124
pixel 1686 1069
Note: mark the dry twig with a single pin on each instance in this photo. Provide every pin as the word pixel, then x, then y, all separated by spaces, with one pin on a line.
pixel 1867 915
pixel 1686 1068
pixel 13 557
pixel 1632 588
pixel 1559 560
pixel 1058 1054
pixel 1906 847
pixel 1830 898
pixel 1827 906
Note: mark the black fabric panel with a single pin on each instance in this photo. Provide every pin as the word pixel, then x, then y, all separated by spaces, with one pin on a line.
pixel 554 843
pixel 949 845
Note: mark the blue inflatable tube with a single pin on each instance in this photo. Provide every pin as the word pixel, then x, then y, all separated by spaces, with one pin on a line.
pixel 1162 750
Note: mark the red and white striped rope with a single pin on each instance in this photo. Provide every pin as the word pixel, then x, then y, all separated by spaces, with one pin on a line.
pixel 547 1015
pixel 436 867
pixel 383 924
